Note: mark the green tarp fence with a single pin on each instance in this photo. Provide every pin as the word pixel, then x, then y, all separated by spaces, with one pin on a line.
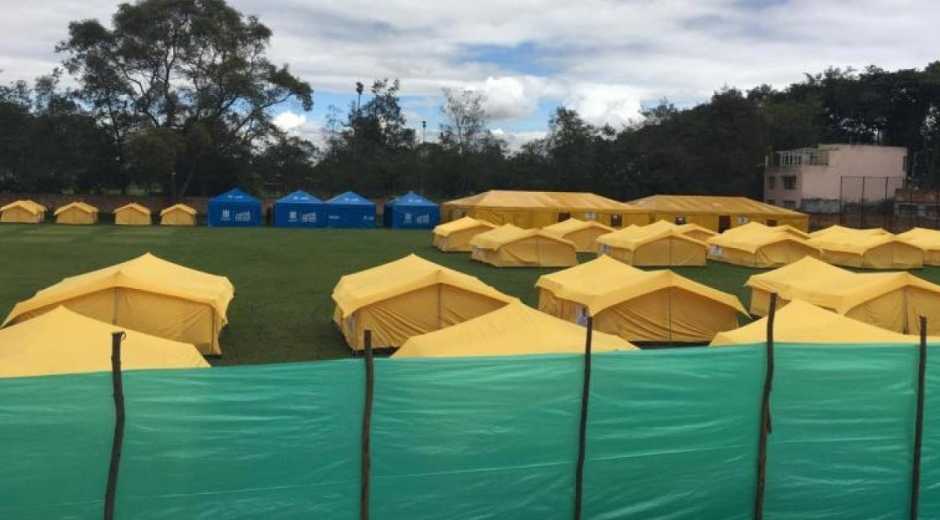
pixel 672 434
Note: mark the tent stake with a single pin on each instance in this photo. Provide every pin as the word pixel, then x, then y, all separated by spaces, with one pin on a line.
pixel 367 429
pixel 582 432
pixel 765 427
pixel 117 445
pixel 919 431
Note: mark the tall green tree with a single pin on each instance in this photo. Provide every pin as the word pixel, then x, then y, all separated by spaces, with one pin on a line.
pixel 195 67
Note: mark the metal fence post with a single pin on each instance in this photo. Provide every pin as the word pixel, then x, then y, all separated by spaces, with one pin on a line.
pixel 367 429
pixel 919 423
pixel 582 429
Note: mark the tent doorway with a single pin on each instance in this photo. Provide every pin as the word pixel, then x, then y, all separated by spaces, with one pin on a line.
pixel 724 223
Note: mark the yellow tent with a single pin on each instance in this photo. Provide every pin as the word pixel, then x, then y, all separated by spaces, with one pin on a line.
pixel 455 236
pixel 868 251
pixel 654 245
pixel 510 246
pixel 145 294
pixel 408 297
pixel 537 209
pixel 760 246
pixel 695 231
pixel 582 233
pixel 132 214
pixel 892 301
pixel 718 213
pixel 840 230
pixel 926 239
pixel 757 227
pixel 22 212
pixel 76 213
pixel 801 322
pixel 513 330
pixel 178 215
pixel 63 342
pixel 638 305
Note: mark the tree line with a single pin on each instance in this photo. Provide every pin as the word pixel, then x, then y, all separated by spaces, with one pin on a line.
pixel 178 97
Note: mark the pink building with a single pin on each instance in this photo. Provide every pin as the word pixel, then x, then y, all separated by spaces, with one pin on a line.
pixel 821 179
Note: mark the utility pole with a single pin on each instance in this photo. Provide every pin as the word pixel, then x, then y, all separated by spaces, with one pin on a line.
pixel 359 88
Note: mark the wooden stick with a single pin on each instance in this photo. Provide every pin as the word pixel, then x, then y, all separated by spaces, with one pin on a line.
pixel 919 428
pixel 765 427
pixel 367 429
pixel 582 432
pixel 118 442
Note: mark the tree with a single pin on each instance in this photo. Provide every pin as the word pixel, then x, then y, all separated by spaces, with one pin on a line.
pixel 464 128
pixel 189 66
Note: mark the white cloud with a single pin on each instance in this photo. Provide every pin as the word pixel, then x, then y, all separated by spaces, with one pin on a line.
pixel 600 56
pixel 288 120
pixel 515 140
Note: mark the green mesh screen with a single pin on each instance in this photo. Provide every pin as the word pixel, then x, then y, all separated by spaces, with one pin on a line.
pixel 672 434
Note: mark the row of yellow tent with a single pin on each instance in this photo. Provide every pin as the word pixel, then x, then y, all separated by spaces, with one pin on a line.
pixel 409 301
pixel 539 209
pixel 171 314
pixel 80 213
pixel 756 245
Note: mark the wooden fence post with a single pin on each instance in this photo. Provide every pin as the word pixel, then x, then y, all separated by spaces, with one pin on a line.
pixel 367 429
pixel 765 426
pixel 919 424
pixel 582 431
pixel 118 442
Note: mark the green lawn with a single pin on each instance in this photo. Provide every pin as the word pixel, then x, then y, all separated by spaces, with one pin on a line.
pixel 283 277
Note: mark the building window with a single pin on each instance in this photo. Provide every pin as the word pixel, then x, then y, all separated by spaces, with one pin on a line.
pixel 789 182
pixel 680 221
pixel 616 221
pixel 772 202
pixel 789 204
pixel 771 183
pixel 907 210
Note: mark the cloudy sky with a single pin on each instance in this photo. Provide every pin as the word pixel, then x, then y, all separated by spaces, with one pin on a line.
pixel 605 58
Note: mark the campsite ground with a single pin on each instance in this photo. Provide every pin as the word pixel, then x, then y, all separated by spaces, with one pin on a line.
pixel 283 277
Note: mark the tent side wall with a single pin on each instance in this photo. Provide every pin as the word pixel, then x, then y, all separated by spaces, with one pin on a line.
pixel 130 217
pixel 288 214
pixel 75 216
pixel 536 251
pixel 712 220
pixel 394 320
pixel 776 254
pixel 584 239
pixel 403 216
pixel 670 251
pixel 760 302
pixel 234 214
pixel 529 218
pixel 666 315
pixel 459 241
pixel 178 218
pixel 893 255
pixel 157 315
pixel 352 216
pixel 17 215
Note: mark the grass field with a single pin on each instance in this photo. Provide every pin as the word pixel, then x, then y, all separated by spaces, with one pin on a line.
pixel 283 277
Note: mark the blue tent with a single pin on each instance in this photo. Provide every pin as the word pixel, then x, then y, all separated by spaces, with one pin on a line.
pixel 234 208
pixel 350 210
pixel 299 209
pixel 411 211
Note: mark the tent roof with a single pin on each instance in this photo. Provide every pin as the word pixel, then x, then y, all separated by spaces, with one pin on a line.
pixel 709 205
pixel 512 330
pixel 831 230
pixel 758 228
pixel 64 342
pixel 87 208
pixel 572 225
pixel 604 282
pixel 828 286
pixel 461 224
pixel 802 322
pixel 144 273
pixel 234 195
pixel 411 273
pixel 689 228
pixel 753 239
pixel 410 199
pixel 524 200
pixel 508 233
pixel 178 207
pixel 633 237
pixel 299 197
pixel 27 205
pixel 927 239
pixel 133 206
pixel 855 243
pixel 350 198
